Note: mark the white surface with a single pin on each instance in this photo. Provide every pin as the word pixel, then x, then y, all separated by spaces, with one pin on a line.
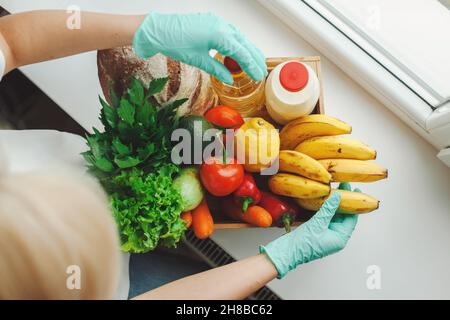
pixel 408 237
pixel 444 155
pixel 418 42
pixel 49 151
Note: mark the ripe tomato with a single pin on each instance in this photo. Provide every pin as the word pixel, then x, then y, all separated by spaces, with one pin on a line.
pixel 224 117
pixel 221 179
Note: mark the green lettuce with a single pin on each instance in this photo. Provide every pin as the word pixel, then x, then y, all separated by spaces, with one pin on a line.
pixel 147 208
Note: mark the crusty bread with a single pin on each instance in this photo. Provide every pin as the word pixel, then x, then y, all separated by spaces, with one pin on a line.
pixel 120 64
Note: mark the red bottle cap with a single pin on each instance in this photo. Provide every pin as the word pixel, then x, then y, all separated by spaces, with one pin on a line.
pixel 294 76
pixel 232 65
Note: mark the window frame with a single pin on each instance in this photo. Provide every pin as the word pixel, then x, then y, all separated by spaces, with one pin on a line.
pixel 370 67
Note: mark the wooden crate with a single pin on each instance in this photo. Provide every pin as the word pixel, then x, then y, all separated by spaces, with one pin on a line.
pixel 222 222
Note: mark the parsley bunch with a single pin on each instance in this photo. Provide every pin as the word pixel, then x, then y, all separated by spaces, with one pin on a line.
pixel 131 159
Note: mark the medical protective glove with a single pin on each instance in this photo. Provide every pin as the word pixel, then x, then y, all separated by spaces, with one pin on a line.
pixel 325 233
pixel 189 38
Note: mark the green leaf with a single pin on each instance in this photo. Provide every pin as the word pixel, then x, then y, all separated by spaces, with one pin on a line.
pixel 168 110
pixel 136 92
pixel 96 148
pixel 119 147
pixel 113 96
pixel 122 127
pixel 126 112
pixel 126 162
pixel 144 114
pixel 104 165
pixel 135 135
pixel 178 102
pixel 145 152
pixel 100 175
pixel 108 115
pixel 97 133
pixel 87 155
pixel 156 86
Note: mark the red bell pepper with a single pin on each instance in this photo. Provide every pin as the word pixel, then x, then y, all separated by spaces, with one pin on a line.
pixel 283 214
pixel 247 193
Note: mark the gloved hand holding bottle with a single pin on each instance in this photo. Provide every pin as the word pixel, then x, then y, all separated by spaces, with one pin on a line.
pixel 189 38
pixel 327 232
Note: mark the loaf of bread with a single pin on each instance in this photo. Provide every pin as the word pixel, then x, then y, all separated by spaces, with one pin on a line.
pixel 120 64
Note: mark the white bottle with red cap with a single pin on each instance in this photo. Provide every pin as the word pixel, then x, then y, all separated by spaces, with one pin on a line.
pixel 292 91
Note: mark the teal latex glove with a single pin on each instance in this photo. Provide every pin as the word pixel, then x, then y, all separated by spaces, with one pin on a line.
pixel 324 234
pixel 189 38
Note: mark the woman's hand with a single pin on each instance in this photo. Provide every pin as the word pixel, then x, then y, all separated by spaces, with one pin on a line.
pixel 190 37
pixel 324 234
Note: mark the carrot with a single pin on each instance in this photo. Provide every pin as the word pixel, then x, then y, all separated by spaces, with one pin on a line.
pixel 187 218
pixel 255 215
pixel 202 221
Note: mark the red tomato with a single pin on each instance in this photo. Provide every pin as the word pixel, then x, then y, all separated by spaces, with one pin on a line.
pixel 224 117
pixel 221 179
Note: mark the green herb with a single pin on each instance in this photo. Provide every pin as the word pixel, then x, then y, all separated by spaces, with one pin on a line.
pixel 131 158
pixel 137 132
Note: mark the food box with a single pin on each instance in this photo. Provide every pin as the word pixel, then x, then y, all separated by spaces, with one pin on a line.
pixel 222 222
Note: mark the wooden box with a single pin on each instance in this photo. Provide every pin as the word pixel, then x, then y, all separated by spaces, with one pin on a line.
pixel 221 222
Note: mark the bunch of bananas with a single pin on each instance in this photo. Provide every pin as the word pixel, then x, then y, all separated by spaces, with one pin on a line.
pixel 314 154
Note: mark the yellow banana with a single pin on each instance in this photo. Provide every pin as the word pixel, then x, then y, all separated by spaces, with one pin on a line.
pixel 310 126
pixel 290 185
pixel 348 170
pixel 336 147
pixel 301 164
pixel 351 202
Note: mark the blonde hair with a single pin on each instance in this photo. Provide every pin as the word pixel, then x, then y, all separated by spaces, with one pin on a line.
pixel 48 224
